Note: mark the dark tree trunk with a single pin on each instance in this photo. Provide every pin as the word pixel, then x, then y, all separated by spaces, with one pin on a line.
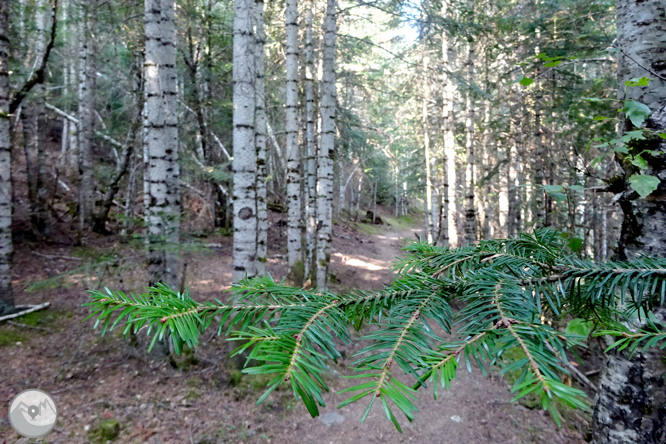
pixel 631 402
pixel 6 294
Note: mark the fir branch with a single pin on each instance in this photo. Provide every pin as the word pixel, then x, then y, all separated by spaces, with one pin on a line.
pixel 299 338
pixel 387 365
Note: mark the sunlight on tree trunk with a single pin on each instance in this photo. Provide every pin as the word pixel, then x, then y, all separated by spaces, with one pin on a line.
pixel 160 126
pixel 325 158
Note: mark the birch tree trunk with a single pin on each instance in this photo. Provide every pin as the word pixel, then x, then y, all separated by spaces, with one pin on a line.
pixel 293 161
pixel 86 188
pixel 631 401
pixel 6 246
pixel 470 209
pixel 244 161
pixel 448 59
pixel 426 147
pixel 311 160
pixel 260 141
pixel 325 158
pixel 160 125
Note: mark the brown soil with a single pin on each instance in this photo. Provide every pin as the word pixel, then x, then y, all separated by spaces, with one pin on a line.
pixel 95 379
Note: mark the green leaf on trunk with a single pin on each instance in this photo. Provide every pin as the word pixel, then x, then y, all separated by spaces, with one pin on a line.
pixel 575 244
pixel 644 184
pixel 636 112
pixel 526 81
pixel 639 162
pixel 643 81
pixel 553 189
pixel 578 327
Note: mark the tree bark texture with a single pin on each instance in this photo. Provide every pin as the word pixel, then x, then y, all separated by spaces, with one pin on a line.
pixel 160 124
pixel 244 160
pixel 293 160
pixel 426 148
pixel 470 208
pixel 325 158
pixel 311 159
pixel 6 246
pixel 631 402
pixel 260 141
pixel 86 127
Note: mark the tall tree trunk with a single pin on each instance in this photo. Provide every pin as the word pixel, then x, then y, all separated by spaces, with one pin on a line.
pixel 244 161
pixel 293 160
pixel 426 148
pixel 39 213
pixel 160 125
pixel 450 182
pixel 325 158
pixel 539 164
pixel 311 159
pixel 260 141
pixel 470 208
pixel 6 246
pixel 631 401
pixel 86 131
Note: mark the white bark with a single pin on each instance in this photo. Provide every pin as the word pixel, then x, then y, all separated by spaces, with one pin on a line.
pixel 311 160
pixel 293 161
pixel 325 160
pixel 449 142
pixel 6 246
pixel 39 206
pixel 470 209
pixel 244 157
pixel 260 141
pixel 631 402
pixel 160 125
pixel 86 189
pixel 426 148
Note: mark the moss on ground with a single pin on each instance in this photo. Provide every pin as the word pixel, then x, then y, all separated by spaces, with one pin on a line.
pixel 107 430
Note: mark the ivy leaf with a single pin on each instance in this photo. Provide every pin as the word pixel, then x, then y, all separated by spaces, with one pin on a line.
pixel 578 327
pixel 636 112
pixel 643 81
pixel 559 197
pixel 552 64
pixel 620 148
pixel 526 81
pixel 575 244
pixel 550 189
pixel 662 135
pixel 632 135
pixel 644 184
pixel 639 162
pixel 577 188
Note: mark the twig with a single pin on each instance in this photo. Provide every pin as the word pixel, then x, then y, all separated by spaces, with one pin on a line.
pixel 18 324
pixel 57 256
pixel 574 371
pixel 26 311
pixel 38 76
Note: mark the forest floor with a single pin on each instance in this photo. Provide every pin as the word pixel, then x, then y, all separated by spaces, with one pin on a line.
pixel 105 388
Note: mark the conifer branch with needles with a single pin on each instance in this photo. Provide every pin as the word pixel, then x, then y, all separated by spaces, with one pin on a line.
pixel 510 290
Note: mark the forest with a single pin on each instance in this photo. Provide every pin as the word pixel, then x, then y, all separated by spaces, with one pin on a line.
pixel 383 221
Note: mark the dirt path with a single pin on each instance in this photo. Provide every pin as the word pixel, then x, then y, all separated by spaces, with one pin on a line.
pixel 101 381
